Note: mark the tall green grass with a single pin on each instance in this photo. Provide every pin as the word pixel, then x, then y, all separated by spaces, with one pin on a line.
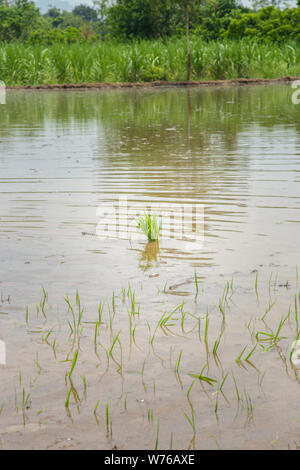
pixel 24 64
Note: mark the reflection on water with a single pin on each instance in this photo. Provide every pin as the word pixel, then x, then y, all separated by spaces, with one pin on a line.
pixel 65 154
pixel 149 255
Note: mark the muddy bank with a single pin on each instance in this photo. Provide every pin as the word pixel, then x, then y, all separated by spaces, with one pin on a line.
pixel 235 81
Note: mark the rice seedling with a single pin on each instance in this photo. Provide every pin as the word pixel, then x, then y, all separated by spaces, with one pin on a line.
pixel 209 380
pixel 256 285
pixel 177 364
pixel 231 288
pixel 171 441
pixel 155 330
pixel 294 356
pixel 249 406
pixel 222 383
pixel 183 315
pixel 47 336
pixel 67 402
pixel 130 326
pixel 83 378
pixel 196 283
pixel 125 402
pixel 150 415
pixel 248 325
pixel 236 389
pixel 206 328
pixel 225 294
pixel 100 313
pixel 272 338
pixel 80 310
pixel 107 419
pixel 53 347
pixel 96 407
pixel 95 336
pixel 189 392
pixel 238 359
pixel 199 328
pixel 296 315
pixel 132 303
pixel 111 316
pixel 217 405
pixel 37 364
pixel 165 323
pixel 157 436
pixel 107 358
pixel 43 302
pixel 73 363
pixel 250 353
pixel 149 226
pixel 25 400
pixel 261 378
pixel 268 309
pixel 142 375
pixel 215 349
pixel 73 328
pixel 223 318
pixel 133 337
pixel 110 353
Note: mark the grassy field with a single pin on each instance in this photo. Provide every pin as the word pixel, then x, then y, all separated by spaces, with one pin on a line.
pixel 24 64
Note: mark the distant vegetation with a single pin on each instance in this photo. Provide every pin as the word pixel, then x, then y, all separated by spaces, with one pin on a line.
pixel 147 19
pixel 145 40
pixel 144 61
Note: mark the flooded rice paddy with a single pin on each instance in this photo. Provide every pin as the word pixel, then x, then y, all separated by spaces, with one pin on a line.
pixel 114 344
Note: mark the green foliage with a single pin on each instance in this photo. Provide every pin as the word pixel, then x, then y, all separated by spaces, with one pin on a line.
pixel 140 18
pixel 149 226
pixel 54 35
pixel 85 12
pixel 147 19
pixel 268 24
pixel 17 19
pixel 70 61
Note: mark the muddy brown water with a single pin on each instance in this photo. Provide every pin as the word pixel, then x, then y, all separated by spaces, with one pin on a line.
pixel 67 155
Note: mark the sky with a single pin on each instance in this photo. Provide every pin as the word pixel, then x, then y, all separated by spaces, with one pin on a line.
pixel 70 4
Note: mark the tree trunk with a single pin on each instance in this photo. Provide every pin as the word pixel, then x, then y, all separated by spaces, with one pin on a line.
pixel 187 16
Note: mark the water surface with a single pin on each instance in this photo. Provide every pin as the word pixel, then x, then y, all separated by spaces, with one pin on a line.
pixel 234 151
pixel 64 154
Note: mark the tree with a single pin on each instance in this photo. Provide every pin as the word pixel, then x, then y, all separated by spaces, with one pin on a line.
pixel 17 19
pixel 87 13
pixel 53 12
pixel 187 5
pixel 139 18
pixel 187 27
